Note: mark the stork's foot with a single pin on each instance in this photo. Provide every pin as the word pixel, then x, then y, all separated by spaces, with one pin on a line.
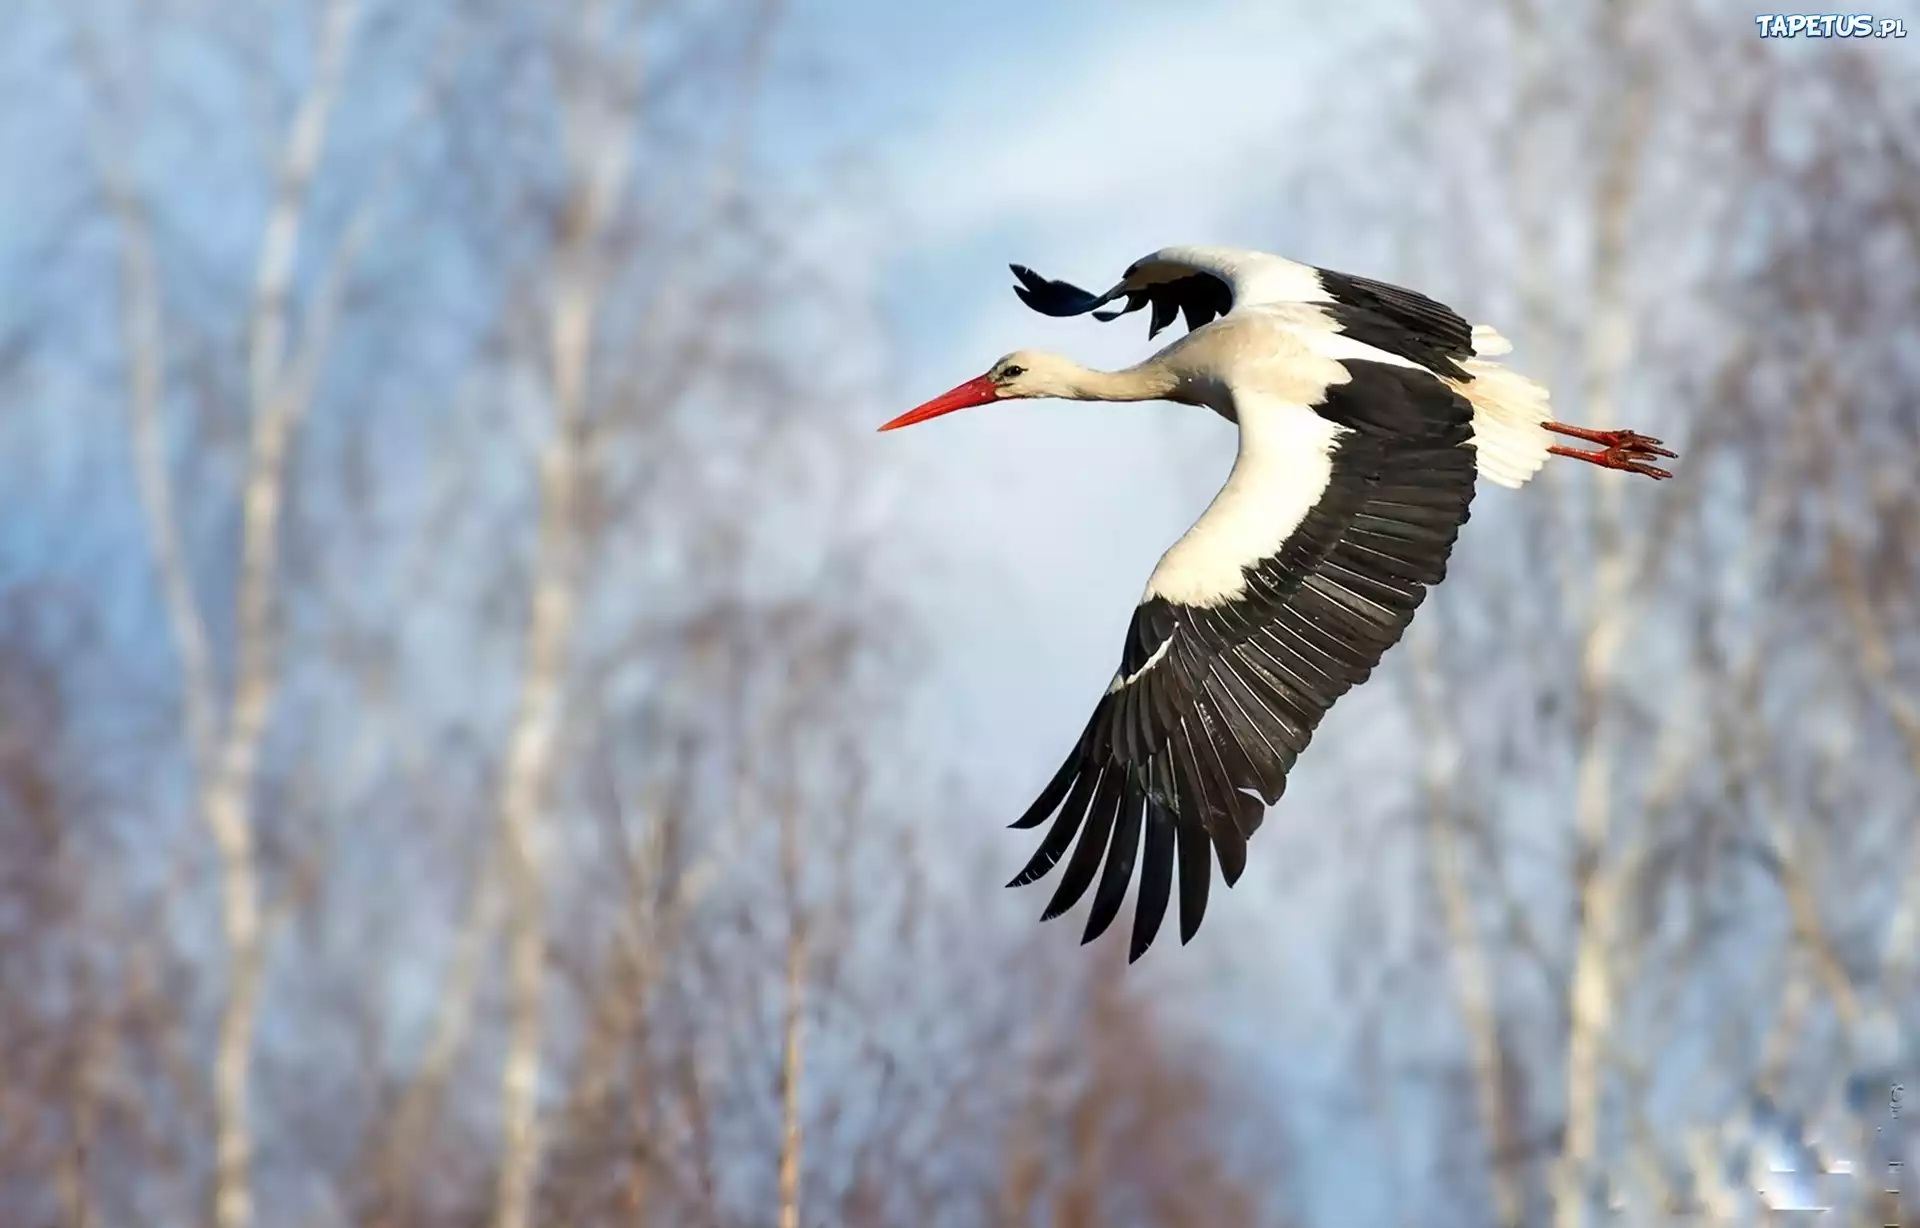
pixel 1628 451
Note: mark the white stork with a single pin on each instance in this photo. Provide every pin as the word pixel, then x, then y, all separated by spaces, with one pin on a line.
pixel 1366 412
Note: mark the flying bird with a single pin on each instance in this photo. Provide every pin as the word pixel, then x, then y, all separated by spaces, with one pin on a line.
pixel 1367 412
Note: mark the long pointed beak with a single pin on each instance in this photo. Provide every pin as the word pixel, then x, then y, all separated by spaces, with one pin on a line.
pixel 973 392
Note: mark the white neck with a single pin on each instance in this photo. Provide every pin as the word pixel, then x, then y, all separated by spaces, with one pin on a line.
pixel 1146 381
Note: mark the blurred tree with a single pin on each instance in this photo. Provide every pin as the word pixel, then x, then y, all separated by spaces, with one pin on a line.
pixel 448 771
pixel 1709 238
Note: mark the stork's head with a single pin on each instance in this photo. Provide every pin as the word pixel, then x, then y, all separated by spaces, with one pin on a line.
pixel 1023 373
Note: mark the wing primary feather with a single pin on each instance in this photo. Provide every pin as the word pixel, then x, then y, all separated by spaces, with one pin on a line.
pixel 1164 308
pixel 1139 723
pixel 1050 796
pixel 1196 868
pixel 1215 784
pixel 1119 868
pixel 1054 845
pixel 1053 298
pixel 1092 846
pixel 1196 804
pixel 1156 879
pixel 1136 299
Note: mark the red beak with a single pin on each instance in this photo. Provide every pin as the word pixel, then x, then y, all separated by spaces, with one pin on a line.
pixel 973 392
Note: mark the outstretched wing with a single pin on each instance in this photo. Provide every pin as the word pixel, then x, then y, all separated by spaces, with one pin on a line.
pixel 1202 283
pixel 1220 689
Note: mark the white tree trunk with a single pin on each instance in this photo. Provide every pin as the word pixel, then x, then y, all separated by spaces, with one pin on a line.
pixel 790 1058
pixel 1590 988
pixel 225 752
pixel 228 800
pixel 599 110
pixel 1473 981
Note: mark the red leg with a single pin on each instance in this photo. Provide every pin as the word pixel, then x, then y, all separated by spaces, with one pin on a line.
pixel 1628 451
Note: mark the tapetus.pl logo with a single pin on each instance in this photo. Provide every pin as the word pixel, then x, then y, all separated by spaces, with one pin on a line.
pixel 1829 25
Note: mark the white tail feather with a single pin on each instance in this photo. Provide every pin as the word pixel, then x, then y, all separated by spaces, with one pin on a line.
pixel 1489 344
pixel 1508 409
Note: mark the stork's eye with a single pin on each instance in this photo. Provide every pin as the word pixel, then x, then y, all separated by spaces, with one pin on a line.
pixel 1012 372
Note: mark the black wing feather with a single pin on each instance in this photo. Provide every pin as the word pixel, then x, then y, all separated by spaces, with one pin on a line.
pixel 1054 845
pixel 1156 879
pixel 1195 874
pixel 1200 297
pixel 1164 309
pixel 1092 847
pixel 1213 705
pixel 1119 869
pixel 1053 298
pixel 1436 324
pixel 1399 321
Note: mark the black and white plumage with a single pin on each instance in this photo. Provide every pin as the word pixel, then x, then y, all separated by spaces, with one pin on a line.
pixel 1367 412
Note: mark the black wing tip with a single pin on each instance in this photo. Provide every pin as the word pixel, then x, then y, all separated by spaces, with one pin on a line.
pixel 1052 848
pixel 1146 927
pixel 1050 297
pixel 1123 851
pixel 1090 849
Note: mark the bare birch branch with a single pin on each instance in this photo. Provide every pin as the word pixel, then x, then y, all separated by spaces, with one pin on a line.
pixel 599 104
pixel 227 801
pixel 790 1059
pixel 1590 990
pixel 402 1140
pixel 143 328
pixel 225 753
pixel 1466 952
